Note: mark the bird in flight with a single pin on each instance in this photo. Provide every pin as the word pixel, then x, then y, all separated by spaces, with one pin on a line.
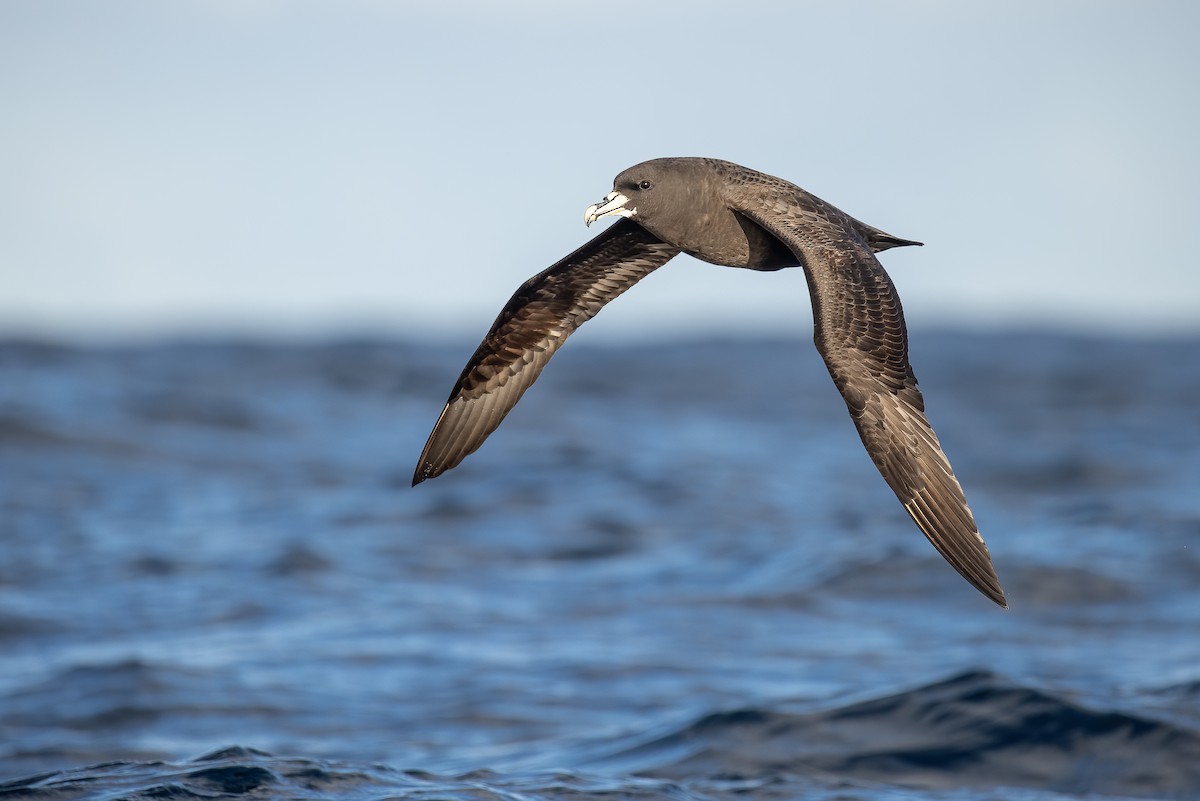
pixel 737 217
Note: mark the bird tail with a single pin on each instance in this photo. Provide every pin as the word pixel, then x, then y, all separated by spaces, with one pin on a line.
pixel 880 240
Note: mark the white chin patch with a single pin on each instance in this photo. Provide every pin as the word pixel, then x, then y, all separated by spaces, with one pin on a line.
pixel 613 205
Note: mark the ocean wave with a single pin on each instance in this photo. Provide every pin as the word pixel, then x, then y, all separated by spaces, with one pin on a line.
pixel 975 729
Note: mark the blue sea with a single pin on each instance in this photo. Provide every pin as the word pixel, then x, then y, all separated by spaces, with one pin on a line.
pixel 673 573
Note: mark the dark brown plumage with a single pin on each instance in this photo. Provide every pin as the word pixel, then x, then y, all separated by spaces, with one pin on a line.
pixel 730 215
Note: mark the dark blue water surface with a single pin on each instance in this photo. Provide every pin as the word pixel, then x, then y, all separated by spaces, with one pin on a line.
pixel 672 574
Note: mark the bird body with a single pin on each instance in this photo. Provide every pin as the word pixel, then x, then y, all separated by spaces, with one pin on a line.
pixel 734 216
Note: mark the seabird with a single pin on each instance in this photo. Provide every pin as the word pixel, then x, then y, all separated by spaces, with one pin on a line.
pixel 737 217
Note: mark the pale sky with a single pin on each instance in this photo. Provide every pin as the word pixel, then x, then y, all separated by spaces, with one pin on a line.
pixel 308 168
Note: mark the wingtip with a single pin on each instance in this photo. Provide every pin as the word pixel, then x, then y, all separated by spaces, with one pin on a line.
pixel 990 589
pixel 988 584
pixel 424 470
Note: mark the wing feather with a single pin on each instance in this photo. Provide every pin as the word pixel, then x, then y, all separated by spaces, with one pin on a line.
pixel 539 317
pixel 861 335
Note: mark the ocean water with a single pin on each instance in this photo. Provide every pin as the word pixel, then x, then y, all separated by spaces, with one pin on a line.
pixel 673 573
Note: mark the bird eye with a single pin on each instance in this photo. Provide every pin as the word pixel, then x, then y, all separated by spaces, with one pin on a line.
pixel 645 185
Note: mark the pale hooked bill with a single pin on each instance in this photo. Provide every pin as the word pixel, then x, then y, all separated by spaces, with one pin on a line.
pixel 612 205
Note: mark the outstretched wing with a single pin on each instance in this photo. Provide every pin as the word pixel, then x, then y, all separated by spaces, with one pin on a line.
pixel 860 334
pixel 538 318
